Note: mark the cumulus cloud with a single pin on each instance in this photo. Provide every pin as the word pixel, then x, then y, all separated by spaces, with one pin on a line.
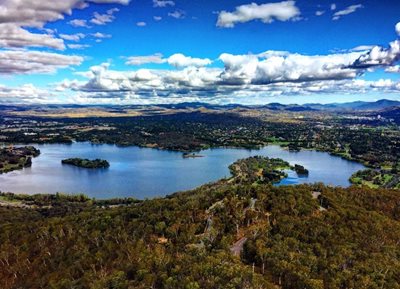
pixel 163 3
pixel 154 85
pixel 104 79
pixel 180 60
pixel 141 24
pixel 271 73
pixel 157 18
pixel 201 84
pixel 347 11
pixel 398 28
pixel 27 62
pixel 194 85
pixel 258 69
pixel 267 13
pixel 333 6
pixel 319 12
pixel 270 68
pixel 14 36
pixel 379 56
pixel 351 86
pixel 26 93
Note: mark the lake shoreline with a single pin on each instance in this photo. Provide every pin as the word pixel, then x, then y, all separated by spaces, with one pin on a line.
pixel 147 173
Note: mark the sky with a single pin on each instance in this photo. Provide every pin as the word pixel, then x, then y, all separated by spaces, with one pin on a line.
pixel 172 51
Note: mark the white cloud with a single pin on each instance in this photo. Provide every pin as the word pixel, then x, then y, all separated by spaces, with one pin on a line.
pixel 319 12
pixel 347 11
pixel 398 28
pixel 73 37
pixel 268 74
pixel 140 60
pixel 333 6
pixel 78 46
pixel 37 13
pixel 362 48
pixel 202 84
pixel 16 16
pixel 157 18
pixel 379 56
pixel 26 93
pixel 178 14
pixel 128 88
pixel 102 19
pixel 177 60
pixel 78 23
pixel 267 13
pixel 14 36
pixel 256 69
pixel 28 62
pixel 180 60
pixel 103 79
pixel 101 35
pixel 163 3
pixel 141 24
pixel 393 69
pixel 123 2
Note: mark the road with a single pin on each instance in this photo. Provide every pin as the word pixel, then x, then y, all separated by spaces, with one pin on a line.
pixel 238 246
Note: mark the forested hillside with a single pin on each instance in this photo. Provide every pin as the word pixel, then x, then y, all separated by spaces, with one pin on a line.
pixel 222 235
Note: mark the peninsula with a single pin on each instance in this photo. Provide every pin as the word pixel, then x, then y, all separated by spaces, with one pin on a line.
pixel 15 158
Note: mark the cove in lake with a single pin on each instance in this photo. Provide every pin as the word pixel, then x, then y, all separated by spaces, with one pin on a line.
pixel 147 173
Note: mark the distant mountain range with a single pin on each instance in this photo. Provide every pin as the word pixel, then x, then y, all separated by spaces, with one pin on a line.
pixel 349 106
pixel 356 105
pixel 379 105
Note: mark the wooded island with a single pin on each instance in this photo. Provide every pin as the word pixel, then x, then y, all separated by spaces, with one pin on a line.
pixel 86 163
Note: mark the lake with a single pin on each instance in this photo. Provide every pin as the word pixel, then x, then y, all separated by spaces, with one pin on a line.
pixel 147 173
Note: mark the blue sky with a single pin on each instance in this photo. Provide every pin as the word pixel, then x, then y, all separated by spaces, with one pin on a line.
pixel 164 51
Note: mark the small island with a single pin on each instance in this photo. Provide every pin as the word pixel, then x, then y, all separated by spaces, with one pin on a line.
pixel 191 155
pixel 16 158
pixel 300 170
pixel 86 163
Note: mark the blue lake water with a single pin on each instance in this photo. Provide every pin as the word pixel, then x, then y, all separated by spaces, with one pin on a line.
pixel 146 173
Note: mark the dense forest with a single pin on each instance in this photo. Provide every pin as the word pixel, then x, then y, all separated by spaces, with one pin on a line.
pixel 223 235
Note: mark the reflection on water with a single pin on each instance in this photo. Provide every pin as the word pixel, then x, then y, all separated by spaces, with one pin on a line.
pixel 146 173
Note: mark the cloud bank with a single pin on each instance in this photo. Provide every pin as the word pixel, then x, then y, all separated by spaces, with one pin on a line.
pixel 268 74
